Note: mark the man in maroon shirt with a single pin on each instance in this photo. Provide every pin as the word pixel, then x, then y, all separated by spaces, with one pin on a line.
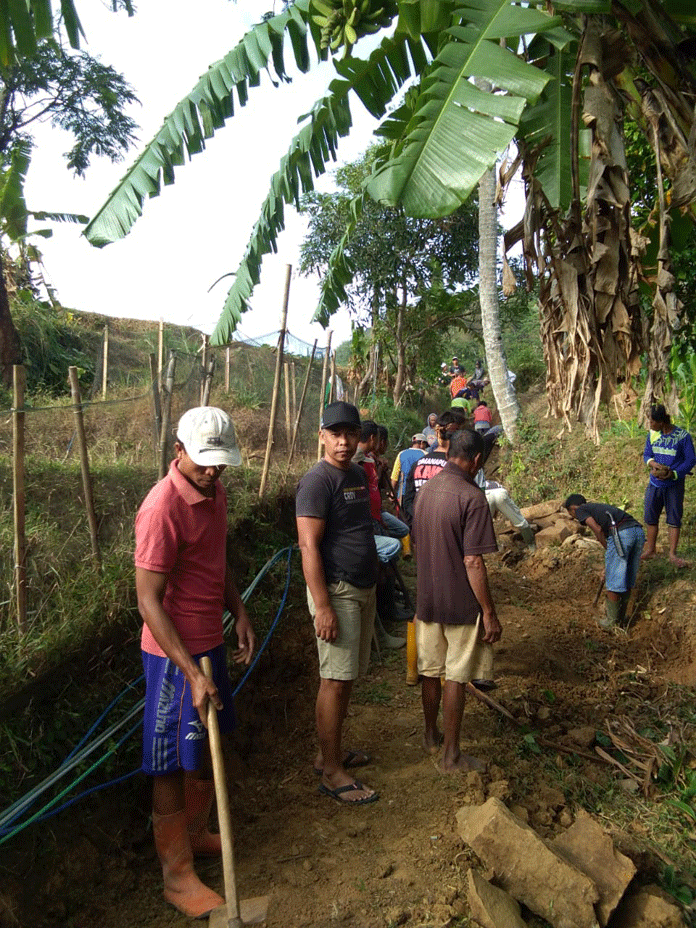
pixel 457 621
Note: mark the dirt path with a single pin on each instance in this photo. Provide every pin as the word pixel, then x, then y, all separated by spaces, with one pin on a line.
pixel 398 861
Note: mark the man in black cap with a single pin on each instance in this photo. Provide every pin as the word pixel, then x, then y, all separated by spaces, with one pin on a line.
pixel 339 561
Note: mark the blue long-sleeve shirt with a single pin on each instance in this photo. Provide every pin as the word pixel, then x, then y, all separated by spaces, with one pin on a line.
pixel 675 449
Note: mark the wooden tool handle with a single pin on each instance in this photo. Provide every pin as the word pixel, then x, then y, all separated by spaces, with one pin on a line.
pixel 223 806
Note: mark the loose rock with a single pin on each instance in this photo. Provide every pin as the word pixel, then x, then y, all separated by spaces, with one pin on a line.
pixel 587 847
pixel 492 907
pixel 648 908
pixel 565 897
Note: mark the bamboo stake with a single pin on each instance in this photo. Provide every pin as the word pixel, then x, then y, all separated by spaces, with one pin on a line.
pixel 168 389
pixel 204 366
pixel 160 349
pixel 227 369
pixel 293 383
pixel 288 424
pixel 324 372
pixel 19 497
pixel 276 382
pixel 332 388
pixel 208 382
pixel 156 407
pixel 84 464
pixel 302 402
pixel 105 365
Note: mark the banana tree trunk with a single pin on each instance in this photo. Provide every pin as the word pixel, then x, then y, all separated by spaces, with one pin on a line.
pixel 503 390
pixel 10 349
pixel 400 349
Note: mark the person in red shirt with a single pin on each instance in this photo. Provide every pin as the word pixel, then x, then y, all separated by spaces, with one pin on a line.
pixel 482 417
pixel 183 584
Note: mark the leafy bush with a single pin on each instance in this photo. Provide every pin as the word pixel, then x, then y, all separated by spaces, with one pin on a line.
pixel 51 344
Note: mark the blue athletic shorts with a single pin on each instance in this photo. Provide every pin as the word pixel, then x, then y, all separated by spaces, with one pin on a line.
pixel 173 735
pixel 670 498
pixel 620 572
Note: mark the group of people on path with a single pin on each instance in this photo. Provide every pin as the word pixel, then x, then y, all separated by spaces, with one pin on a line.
pixel 184 584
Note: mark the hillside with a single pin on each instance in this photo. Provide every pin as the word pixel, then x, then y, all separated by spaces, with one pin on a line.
pixel 569 687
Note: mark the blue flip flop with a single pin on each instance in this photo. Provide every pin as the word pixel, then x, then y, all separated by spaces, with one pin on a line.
pixel 340 791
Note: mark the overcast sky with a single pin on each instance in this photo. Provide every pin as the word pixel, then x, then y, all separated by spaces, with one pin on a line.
pixel 197 229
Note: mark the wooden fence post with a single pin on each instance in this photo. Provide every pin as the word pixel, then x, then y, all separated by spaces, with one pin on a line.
pixel 156 407
pixel 324 372
pixel 302 401
pixel 84 464
pixel 332 389
pixel 19 498
pixel 105 365
pixel 168 389
pixel 160 350
pixel 208 382
pixel 205 350
pixel 288 424
pixel 276 381
pixel 293 384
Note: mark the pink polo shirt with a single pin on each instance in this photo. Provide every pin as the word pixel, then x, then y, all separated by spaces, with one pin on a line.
pixel 181 533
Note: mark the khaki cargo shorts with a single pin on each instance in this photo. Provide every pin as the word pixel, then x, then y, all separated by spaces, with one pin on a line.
pixel 348 656
pixel 456 652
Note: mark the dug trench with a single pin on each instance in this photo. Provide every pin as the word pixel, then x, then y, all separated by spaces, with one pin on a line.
pixel 400 861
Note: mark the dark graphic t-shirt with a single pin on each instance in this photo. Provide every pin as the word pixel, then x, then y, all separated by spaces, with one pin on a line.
pixel 424 468
pixel 341 499
pixel 602 513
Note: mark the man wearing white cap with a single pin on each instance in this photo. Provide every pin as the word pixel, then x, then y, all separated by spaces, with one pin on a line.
pixel 183 585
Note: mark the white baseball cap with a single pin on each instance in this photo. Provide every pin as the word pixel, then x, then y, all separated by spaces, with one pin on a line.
pixel 207 433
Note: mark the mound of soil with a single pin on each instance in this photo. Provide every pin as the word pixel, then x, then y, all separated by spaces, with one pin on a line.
pixel 398 861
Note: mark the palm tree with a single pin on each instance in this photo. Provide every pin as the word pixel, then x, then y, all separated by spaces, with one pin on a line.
pixel 579 61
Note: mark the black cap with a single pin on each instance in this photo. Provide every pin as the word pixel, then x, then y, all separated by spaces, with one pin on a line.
pixel 340 414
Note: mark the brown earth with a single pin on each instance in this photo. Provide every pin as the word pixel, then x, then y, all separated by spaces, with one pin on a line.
pixel 398 861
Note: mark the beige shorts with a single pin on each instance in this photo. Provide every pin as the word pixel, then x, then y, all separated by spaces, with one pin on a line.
pixel 456 651
pixel 348 656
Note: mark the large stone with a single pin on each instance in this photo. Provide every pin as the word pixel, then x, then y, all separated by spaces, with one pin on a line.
pixel 589 849
pixel 542 510
pixel 527 868
pixel 648 908
pixel 547 521
pixel 492 907
pixel 553 535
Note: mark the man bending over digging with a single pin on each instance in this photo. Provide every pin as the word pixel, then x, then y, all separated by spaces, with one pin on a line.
pixel 183 585
pixel 339 561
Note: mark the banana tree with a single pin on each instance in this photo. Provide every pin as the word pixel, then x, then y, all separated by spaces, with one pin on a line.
pixel 552 67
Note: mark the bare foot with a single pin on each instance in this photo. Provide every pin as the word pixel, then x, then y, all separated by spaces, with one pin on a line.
pixel 431 742
pixel 647 555
pixel 464 763
pixel 344 789
pixel 350 759
pixel 678 561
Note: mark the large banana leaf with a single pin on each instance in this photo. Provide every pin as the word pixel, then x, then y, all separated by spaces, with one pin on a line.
pixel 374 80
pixel 456 131
pixel 340 270
pixel 13 207
pixel 546 125
pixel 24 23
pixel 196 118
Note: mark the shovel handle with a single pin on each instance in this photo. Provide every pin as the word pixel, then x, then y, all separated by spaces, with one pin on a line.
pixel 223 805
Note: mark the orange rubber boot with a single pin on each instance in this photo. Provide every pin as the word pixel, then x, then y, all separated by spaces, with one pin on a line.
pixel 411 654
pixel 406 546
pixel 198 801
pixel 181 885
